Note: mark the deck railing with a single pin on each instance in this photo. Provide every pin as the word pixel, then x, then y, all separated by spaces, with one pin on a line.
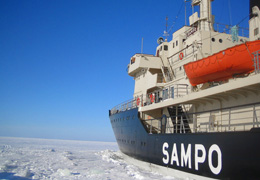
pixel 224 28
pixel 239 118
pixel 256 61
pixel 170 92
pixel 127 105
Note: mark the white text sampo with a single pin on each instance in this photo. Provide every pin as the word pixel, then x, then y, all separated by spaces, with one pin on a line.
pixel 183 158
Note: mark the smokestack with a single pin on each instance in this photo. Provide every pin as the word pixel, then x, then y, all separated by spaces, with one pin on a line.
pixel 252 4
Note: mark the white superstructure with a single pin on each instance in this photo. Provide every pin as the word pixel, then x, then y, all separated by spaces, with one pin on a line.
pixel 163 88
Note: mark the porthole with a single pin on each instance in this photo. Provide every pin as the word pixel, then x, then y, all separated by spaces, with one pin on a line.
pixel 213 39
pixel 220 40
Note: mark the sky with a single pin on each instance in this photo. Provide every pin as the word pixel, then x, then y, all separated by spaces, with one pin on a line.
pixel 63 62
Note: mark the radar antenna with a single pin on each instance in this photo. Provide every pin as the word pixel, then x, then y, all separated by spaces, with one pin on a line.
pixel 160 40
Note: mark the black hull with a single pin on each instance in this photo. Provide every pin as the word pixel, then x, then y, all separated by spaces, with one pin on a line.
pixel 226 155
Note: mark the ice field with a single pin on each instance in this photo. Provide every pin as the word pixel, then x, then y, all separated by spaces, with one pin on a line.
pixel 25 158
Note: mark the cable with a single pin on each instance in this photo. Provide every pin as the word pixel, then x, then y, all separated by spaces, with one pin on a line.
pixel 176 17
pixel 243 19
pixel 230 17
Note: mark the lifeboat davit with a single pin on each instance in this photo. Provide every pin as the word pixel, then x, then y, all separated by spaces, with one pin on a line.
pixel 223 65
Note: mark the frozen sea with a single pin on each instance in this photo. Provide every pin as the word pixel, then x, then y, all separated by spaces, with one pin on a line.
pixel 26 158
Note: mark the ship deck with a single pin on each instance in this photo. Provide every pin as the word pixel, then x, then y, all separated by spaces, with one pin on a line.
pixel 239 86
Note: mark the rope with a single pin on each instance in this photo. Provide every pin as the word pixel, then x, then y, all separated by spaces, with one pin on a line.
pixel 230 17
pixel 243 19
pixel 176 17
pixel 249 52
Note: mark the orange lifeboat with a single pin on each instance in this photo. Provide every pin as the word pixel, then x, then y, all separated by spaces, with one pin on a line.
pixel 223 65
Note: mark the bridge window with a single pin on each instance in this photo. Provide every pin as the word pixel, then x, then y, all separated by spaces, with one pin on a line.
pixel 172 92
pixel 165 94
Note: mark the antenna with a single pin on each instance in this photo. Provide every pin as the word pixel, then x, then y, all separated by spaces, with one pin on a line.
pixel 166 23
pixel 229 9
pixel 142 45
pixel 185 1
pixel 185 13
pixel 166 32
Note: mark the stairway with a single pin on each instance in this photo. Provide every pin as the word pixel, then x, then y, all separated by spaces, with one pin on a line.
pixel 149 128
pixel 182 124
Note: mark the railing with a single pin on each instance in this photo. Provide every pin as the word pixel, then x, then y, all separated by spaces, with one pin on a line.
pixel 240 118
pixel 127 105
pixel 170 92
pixel 155 126
pixel 188 52
pixel 224 28
pixel 256 61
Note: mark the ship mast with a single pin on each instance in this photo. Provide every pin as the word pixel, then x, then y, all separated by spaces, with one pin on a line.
pixel 185 1
pixel 205 14
pixel 165 34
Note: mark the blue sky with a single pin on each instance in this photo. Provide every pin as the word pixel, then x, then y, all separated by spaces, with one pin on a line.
pixel 63 62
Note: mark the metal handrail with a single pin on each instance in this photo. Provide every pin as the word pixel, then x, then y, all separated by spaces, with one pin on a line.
pixel 225 28
pixel 256 55
pixel 129 104
pixel 173 92
pixel 232 119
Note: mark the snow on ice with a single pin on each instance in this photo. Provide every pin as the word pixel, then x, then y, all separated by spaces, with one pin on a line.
pixel 24 158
